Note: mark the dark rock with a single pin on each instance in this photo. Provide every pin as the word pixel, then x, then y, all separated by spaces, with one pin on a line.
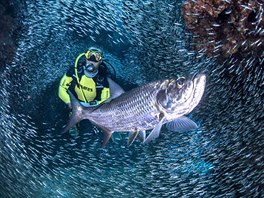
pixel 226 28
pixel 9 27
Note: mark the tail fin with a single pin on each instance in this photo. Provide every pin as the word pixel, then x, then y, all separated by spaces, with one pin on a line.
pixel 77 112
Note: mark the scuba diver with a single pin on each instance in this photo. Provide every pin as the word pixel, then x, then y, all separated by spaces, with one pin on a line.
pixel 89 80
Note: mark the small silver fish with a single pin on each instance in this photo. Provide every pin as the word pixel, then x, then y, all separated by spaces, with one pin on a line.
pixel 144 108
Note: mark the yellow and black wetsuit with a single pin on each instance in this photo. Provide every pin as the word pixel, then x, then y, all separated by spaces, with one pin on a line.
pixel 90 90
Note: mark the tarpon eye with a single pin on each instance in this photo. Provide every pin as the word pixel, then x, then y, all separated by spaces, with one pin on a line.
pixel 180 82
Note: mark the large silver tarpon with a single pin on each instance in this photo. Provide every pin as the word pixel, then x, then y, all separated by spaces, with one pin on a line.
pixel 144 108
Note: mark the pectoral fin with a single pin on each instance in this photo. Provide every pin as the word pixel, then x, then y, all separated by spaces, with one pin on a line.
pixel 181 124
pixel 155 132
pixel 131 137
pixel 106 136
pixel 142 136
pixel 107 133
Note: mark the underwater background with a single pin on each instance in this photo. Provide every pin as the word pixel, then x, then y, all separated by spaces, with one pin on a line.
pixel 143 41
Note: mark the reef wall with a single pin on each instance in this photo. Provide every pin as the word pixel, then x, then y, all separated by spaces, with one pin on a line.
pixel 226 28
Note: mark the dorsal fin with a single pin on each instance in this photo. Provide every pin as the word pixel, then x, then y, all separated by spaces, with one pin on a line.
pixel 115 89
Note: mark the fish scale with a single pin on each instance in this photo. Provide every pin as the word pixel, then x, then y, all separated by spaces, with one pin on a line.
pixel 139 113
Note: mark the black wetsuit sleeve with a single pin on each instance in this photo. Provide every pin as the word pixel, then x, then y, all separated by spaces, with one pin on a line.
pixel 103 73
pixel 70 71
pixel 105 70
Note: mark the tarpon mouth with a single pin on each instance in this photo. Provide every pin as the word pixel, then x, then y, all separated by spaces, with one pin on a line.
pixel 199 81
pixel 199 85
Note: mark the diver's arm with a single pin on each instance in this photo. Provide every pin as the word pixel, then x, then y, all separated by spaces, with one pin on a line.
pixel 64 85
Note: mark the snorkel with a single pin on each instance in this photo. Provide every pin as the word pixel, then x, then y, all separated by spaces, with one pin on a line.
pixel 76 72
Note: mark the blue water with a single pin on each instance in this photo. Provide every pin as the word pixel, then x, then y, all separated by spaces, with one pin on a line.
pixel 144 41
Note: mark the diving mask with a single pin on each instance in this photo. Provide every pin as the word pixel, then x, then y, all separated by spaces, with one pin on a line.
pixel 94 55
